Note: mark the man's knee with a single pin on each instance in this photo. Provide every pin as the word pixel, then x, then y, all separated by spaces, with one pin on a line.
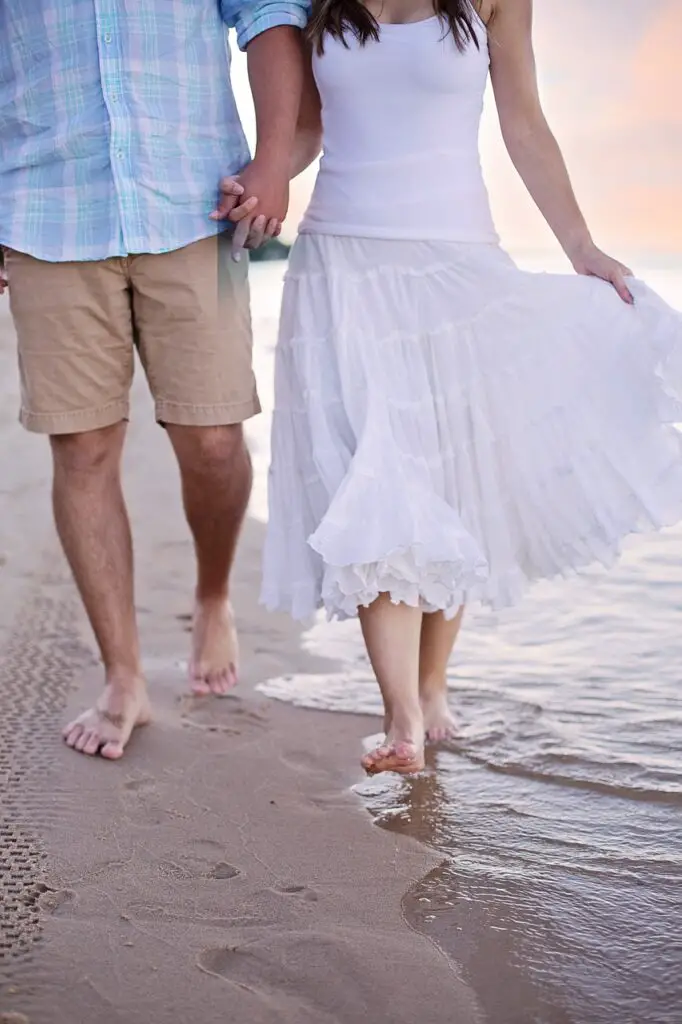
pixel 90 452
pixel 208 448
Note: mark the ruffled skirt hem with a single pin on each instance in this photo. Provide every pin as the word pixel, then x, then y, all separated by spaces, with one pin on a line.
pixel 453 435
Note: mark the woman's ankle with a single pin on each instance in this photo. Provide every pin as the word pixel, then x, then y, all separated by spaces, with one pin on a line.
pixel 432 688
pixel 407 723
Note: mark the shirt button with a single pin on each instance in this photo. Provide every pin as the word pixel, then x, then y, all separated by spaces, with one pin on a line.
pixel 107 38
pixel 114 98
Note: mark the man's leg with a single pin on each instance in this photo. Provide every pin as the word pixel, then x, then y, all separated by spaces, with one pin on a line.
pixel 216 482
pixel 93 527
pixel 74 327
pixel 191 310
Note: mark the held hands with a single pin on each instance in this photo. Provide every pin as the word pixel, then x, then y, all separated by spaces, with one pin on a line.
pixel 590 261
pixel 256 201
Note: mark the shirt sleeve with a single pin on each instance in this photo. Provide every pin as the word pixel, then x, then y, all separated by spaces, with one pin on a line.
pixel 251 17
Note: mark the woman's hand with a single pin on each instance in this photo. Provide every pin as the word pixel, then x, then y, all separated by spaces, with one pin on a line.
pixel 592 262
pixel 532 146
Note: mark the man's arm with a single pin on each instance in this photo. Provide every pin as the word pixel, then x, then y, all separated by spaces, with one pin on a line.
pixel 269 31
pixel 275 61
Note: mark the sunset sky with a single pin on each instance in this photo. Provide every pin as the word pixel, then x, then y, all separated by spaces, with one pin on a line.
pixel 611 79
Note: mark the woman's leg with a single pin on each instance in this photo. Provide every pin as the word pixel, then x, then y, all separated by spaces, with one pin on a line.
pixel 438 636
pixel 392 634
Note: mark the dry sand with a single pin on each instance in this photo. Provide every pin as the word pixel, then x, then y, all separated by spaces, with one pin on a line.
pixel 223 871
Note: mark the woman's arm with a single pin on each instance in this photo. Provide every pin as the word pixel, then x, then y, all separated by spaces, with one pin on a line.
pixel 531 145
pixel 308 139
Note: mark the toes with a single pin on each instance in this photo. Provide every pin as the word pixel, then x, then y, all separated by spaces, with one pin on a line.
pixel 372 762
pixel 218 684
pixel 200 685
pixel 80 743
pixel 91 745
pixel 221 683
pixel 379 754
pixel 72 734
pixel 112 750
pixel 403 758
pixel 441 733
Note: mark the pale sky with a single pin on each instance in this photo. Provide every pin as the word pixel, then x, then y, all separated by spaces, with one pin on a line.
pixel 611 79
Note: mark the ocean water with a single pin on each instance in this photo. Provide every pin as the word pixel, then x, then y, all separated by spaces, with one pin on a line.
pixel 558 809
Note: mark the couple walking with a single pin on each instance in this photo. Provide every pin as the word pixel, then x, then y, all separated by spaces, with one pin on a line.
pixel 446 427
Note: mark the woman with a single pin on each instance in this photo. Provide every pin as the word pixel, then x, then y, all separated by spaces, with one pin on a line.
pixel 448 428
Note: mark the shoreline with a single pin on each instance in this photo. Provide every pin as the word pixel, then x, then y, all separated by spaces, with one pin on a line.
pixel 221 870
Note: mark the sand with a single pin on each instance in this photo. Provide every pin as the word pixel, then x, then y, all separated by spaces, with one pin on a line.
pixel 224 871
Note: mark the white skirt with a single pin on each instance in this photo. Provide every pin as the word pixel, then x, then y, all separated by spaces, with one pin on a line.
pixel 448 428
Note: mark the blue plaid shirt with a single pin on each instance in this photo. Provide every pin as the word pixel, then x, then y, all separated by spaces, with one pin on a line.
pixel 117 120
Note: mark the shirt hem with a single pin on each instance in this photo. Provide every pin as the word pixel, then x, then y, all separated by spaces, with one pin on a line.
pixel 77 255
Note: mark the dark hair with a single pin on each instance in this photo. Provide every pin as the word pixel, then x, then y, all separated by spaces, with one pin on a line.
pixel 336 17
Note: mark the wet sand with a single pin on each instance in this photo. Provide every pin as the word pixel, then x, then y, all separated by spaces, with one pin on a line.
pixel 223 871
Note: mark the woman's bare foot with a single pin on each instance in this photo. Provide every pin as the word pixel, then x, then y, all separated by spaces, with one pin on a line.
pixel 405 758
pixel 106 728
pixel 401 752
pixel 215 649
pixel 439 722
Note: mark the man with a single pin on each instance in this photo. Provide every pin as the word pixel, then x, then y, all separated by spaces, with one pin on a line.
pixel 117 124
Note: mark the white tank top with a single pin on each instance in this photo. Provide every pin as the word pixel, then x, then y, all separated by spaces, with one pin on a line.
pixel 401 120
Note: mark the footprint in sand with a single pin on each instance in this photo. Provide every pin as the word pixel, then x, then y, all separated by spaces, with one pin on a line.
pixel 176 872
pixel 207 846
pixel 189 871
pixel 228 716
pixel 279 965
pixel 141 784
pixel 222 870
pixel 302 891
pixel 52 900
pixel 203 861
pixel 330 801
pixel 302 761
pixel 217 961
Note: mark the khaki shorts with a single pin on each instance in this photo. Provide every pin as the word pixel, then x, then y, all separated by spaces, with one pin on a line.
pixel 78 324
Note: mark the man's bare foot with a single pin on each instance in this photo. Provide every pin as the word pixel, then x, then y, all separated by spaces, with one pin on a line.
pixel 215 649
pixel 106 728
pixel 400 752
pixel 439 722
